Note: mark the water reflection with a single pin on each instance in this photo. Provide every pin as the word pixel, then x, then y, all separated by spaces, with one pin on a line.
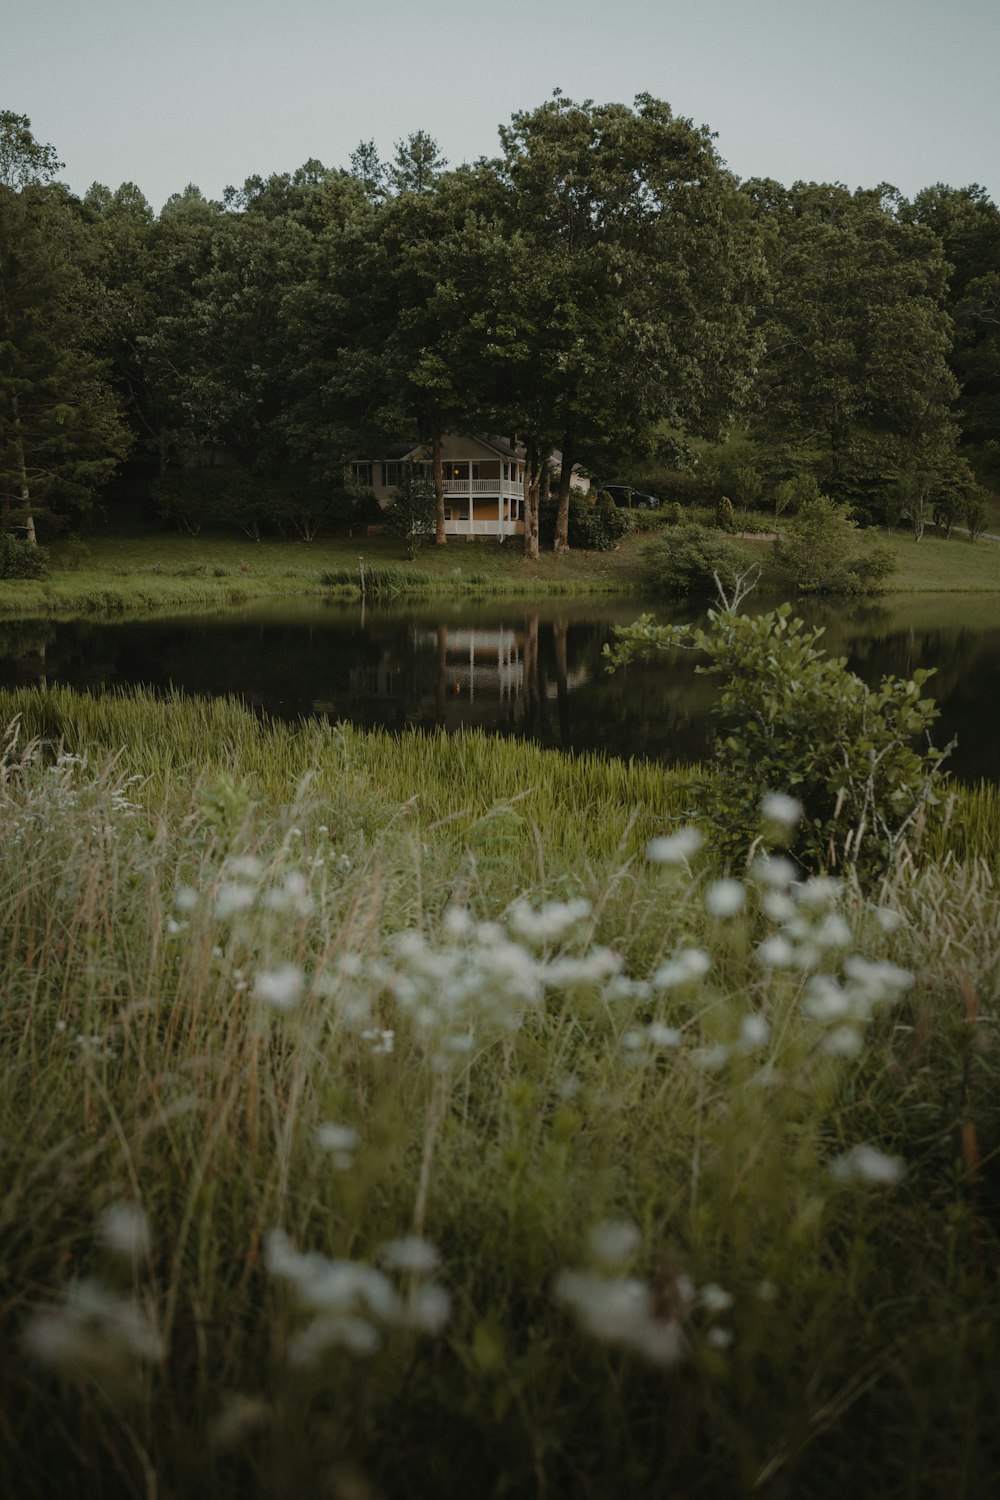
pixel 531 670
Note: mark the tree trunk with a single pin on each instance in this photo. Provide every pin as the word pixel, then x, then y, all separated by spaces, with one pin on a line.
pixel 532 476
pixel 438 471
pixel 28 522
pixel 561 543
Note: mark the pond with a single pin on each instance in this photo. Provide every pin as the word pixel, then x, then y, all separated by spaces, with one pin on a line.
pixel 512 667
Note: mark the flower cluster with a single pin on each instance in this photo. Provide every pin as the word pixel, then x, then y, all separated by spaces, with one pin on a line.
pixel 354 1305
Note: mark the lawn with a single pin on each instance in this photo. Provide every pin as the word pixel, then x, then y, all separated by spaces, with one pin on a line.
pixel 114 573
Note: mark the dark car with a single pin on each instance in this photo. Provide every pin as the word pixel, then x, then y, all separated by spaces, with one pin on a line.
pixel 627 498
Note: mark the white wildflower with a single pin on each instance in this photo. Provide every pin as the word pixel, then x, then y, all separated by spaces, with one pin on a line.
pixel 778 807
pixel 720 1338
pixel 675 848
pixel 92 1329
pixel 411 1253
pixel 686 966
pixel 710 1059
pixel 615 1241
pixel 777 906
pixel 866 1164
pixel 715 1298
pixel 889 920
pixel 776 952
pixel 664 1036
pixel 426 1309
pixel 620 1310
pixel 124 1228
pixel 843 1041
pixel 754 1032
pixel 724 898
pixel 774 870
pixel 833 932
pixel 185 898
pixel 825 1000
pixel 818 891
pixel 356 1335
pixel 233 897
pixel 335 1138
pixel 551 923
pixel 281 987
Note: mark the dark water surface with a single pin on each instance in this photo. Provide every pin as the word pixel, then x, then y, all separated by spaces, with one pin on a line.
pixel 519 668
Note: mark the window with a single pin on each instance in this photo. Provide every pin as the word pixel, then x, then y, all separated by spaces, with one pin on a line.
pixel 361 474
pixel 392 475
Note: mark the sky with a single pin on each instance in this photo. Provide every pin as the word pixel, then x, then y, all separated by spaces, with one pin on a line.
pixel 212 91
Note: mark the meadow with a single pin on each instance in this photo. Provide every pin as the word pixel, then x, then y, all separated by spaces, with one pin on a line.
pixel 402 1116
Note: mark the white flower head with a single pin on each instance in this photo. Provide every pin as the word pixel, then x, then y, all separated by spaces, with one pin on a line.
pixel 724 898
pixel 615 1241
pixel 778 807
pixel 685 967
pixel 335 1138
pixel 281 987
pixel 675 848
pixel 124 1228
pixel 866 1164
pixel 411 1253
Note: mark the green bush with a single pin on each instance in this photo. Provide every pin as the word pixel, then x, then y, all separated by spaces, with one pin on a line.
pixel 690 560
pixel 825 552
pixel 725 518
pixel 21 559
pixel 798 722
pixel 412 509
pixel 592 528
pixel 977 512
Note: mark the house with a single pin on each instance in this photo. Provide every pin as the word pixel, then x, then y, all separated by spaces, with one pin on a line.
pixel 483 482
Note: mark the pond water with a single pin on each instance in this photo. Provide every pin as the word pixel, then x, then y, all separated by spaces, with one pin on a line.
pixel 512 667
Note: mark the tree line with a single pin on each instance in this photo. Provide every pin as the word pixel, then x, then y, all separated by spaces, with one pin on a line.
pixel 604 286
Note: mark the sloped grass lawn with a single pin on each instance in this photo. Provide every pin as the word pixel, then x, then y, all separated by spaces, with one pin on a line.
pixel 117 573
pixel 379 1120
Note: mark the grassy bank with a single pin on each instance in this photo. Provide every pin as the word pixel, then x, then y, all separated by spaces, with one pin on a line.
pixel 142 573
pixel 119 574
pixel 378 1121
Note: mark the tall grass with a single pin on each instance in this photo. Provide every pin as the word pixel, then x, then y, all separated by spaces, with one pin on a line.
pixel 693 1216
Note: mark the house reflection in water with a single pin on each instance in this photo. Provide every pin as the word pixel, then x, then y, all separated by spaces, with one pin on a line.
pixel 500 678
pixel 489 662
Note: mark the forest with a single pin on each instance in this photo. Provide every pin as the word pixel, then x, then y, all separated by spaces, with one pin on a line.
pixel 604 287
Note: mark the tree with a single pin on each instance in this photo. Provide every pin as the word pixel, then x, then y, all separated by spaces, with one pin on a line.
pixel 416 165
pixel 967 225
pixel 632 293
pixel 60 432
pixel 856 332
pixel 24 162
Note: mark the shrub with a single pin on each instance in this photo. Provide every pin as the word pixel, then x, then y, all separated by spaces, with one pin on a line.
pixel 976 512
pixel 725 517
pixel 791 494
pixel 593 528
pixel 21 559
pixel 689 561
pixel 825 554
pixel 798 722
pixel 412 509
